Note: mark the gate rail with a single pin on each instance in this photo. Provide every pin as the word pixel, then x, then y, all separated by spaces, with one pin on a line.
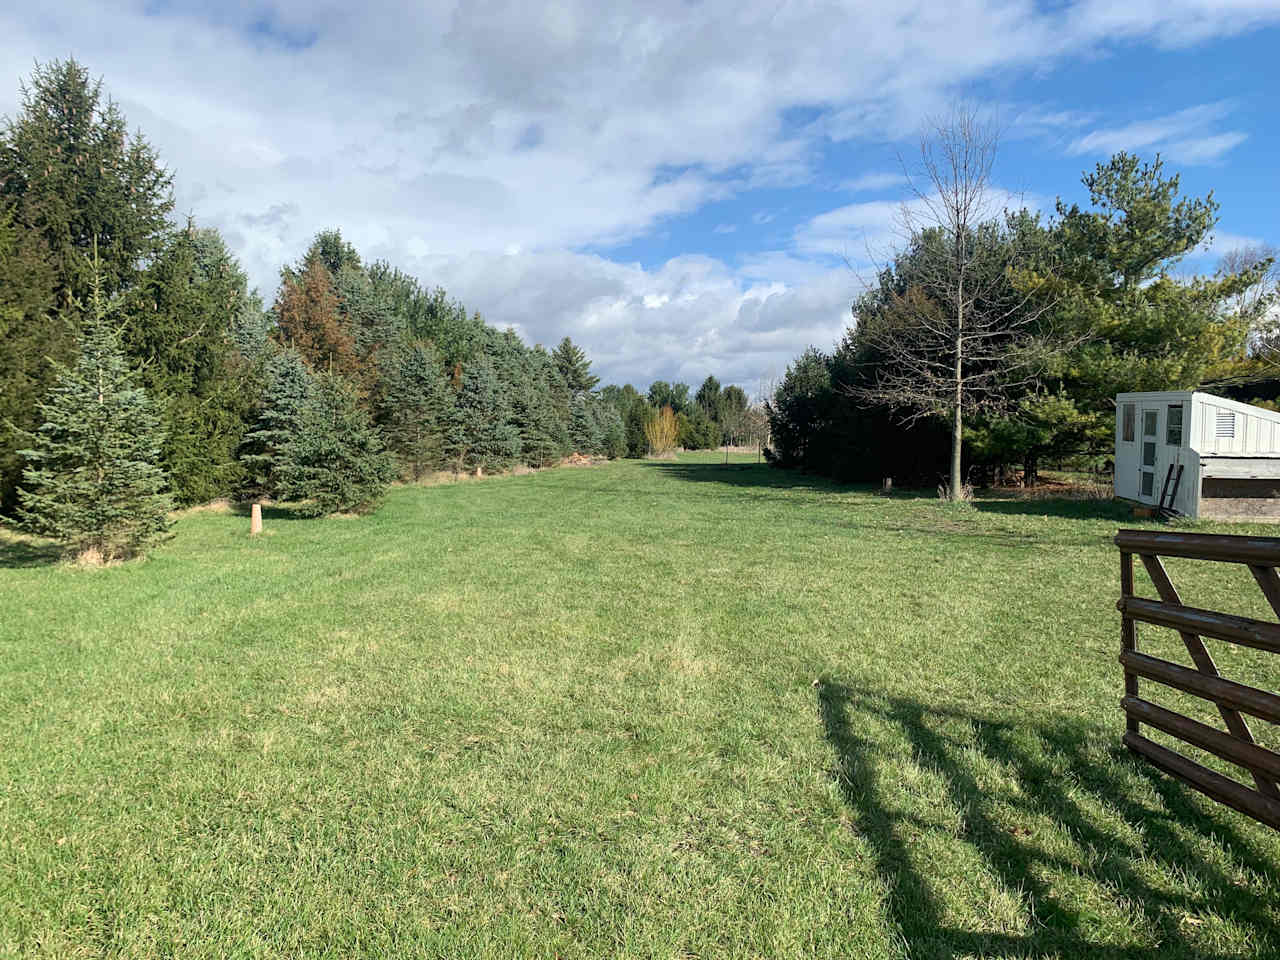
pixel 1236 744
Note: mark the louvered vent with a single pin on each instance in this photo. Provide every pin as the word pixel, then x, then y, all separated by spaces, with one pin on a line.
pixel 1225 425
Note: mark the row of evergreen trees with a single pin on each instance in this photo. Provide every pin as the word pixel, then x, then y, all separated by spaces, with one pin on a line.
pixel 1101 282
pixel 713 416
pixel 138 371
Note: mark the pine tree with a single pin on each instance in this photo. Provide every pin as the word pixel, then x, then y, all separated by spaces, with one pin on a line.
pixel 310 322
pixel 179 331
pixel 71 180
pixel 542 433
pixel 288 387
pixel 75 176
pixel 410 404
pixel 94 480
pixel 479 431
pixel 574 367
pixel 637 419
pixel 584 430
pixel 30 333
pixel 336 462
pixel 614 432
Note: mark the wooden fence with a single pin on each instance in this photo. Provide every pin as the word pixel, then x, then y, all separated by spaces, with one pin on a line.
pixel 1261 555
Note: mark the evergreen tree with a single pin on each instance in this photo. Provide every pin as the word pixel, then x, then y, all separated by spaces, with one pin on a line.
pixel 331 251
pixel 638 418
pixel 94 480
pixel 30 332
pixel 179 331
pixel 71 180
pixel 708 398
pixel 620 398
pixel 585 434
pixel 574 367
pixel 673 395
pixel 1141 327
pixel 478 430
pixel 310 322
pixel 336 461
pixel 73 175
pixel 543 435
pixel 615 432
pixel 287 390
pixel 697 430
pixel 410 404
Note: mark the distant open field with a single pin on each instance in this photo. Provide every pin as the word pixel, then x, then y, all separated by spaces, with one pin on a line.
pixel 647 709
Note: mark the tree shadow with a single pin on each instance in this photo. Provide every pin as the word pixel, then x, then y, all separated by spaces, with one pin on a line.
pixel 762 481
pixel 1060 781
pixel 275 511
pixel 1071 509
pixel 17 553
pixel 748 475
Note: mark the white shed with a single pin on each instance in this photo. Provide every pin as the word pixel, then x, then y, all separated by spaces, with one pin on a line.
pixel 1197 454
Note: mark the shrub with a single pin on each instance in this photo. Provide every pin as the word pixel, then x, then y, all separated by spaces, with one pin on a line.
pixel 661 432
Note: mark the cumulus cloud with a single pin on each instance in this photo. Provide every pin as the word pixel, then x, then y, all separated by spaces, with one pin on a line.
pixel 443 136
pixel 688 318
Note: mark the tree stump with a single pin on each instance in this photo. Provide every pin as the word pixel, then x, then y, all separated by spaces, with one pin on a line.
pixel 255 520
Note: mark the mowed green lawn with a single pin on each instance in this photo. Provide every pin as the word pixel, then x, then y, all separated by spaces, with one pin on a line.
pixel 638 710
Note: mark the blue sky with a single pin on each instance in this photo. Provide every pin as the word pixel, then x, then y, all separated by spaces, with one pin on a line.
pixel 678 186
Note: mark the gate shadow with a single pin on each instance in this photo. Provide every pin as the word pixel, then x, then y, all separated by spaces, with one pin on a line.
pixel 1058 781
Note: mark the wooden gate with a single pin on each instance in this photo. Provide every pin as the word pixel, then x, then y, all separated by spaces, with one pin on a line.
pixel 1233 700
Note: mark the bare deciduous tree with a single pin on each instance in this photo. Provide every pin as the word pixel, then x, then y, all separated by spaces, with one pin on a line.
pixel 1258 304
pixel 959 337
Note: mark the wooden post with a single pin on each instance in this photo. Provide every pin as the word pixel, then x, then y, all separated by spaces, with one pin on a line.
pixel 887 486
pixel 255 520
pixel 1128 637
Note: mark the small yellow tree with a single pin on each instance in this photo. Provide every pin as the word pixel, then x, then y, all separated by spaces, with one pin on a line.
pixel 661 432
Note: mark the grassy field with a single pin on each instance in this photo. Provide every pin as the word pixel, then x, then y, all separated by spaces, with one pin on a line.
pixel 668 709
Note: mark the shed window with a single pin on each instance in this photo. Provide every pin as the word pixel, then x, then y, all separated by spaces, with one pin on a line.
pixel 1173 426
pixel 1148 483
pixel 1225 424
pixel 1128 419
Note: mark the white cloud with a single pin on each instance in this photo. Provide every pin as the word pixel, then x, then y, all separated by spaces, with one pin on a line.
pixel 868 233
pixel 875 183
pixel 441 135
pixel 691 317
pixel 1184 136
pixel 1222 243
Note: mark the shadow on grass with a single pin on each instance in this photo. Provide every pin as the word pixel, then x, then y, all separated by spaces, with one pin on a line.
pixel 759 475
pixel 765 477
pixel 1054 507
pixel 19 553
pixel 273 511
pixel 1060 782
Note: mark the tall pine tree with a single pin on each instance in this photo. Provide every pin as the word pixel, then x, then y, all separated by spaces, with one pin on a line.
pixel 94 480
pixel 410 405
pixel 288 387
pixel 180 332
pixel 574 367
pixel 71 179
pixel 30 332
pixel 336 462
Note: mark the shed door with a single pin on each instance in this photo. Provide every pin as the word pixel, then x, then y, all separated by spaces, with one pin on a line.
pixel 1149 455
